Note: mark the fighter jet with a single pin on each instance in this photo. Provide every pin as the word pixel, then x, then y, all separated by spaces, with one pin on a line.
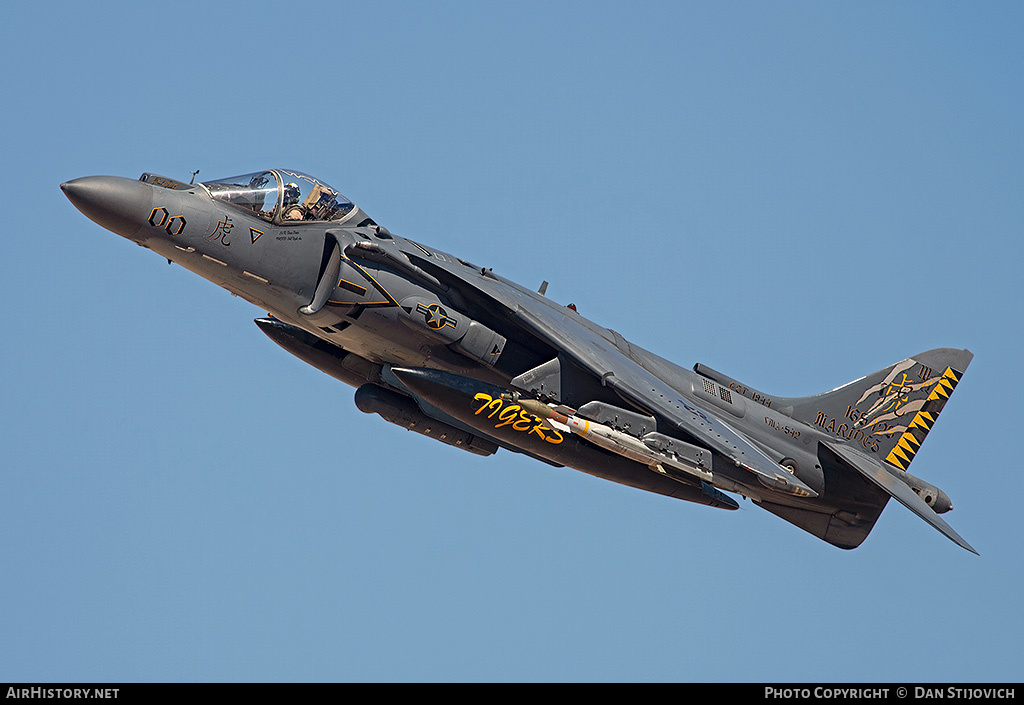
pixel 454 351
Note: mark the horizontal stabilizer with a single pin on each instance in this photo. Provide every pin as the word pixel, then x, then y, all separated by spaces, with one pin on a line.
pixel 879 476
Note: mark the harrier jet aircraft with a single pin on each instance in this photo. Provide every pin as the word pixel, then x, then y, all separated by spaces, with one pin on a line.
pixel 456 352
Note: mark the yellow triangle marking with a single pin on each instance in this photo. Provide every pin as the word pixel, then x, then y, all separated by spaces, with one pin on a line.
pixel 910 440
pixel 894 460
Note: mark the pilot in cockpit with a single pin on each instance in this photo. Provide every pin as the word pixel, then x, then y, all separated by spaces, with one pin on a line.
pixel 292 209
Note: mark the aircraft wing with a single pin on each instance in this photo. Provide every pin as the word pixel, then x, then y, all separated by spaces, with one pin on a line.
pixel 583 341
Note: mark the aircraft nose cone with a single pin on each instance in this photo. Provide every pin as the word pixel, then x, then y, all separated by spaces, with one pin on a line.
pixel 118 204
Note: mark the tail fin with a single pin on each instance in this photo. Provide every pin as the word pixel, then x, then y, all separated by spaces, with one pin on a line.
pixel 878 422
pixel 890 412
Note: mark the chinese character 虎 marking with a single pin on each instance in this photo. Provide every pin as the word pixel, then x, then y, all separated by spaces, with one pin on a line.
pixel 221 231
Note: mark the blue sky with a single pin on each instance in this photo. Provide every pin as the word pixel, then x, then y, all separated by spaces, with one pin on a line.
pixel 796 194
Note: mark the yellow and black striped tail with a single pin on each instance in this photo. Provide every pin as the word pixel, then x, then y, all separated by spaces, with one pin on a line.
pixel 909 441
pixel 888 413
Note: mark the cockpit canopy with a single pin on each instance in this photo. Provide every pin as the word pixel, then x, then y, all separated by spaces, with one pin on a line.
pixel 282 196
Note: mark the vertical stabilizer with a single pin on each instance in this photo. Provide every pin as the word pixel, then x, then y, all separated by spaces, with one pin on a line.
pixel 889 413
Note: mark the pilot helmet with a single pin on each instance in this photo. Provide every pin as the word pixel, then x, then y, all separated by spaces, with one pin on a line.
pixel 291 193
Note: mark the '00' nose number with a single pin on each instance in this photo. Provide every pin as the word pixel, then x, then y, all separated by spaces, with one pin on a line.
pixel 161 218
